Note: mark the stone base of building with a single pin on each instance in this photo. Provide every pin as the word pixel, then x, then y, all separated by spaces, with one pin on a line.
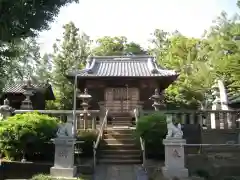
pixel 63 172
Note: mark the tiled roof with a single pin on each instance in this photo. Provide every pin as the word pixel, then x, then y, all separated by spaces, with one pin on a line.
pixel 128 66
pixel 17 87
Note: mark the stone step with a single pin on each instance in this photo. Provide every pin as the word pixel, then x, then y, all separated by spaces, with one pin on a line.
pixel 120 156
pixel 121 151
pixel 120 161
pixel 122 118
pixel 119 114
pixel 118 146
pixel 123 130
pixel 118 136
pixel 119 141
pixel 116 125
pixel 122 123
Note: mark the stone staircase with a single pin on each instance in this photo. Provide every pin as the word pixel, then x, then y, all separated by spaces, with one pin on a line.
pixel 122 119
pixel 119 147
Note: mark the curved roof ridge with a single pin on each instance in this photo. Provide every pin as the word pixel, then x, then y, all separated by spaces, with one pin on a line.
pixel 113 57
pixel 123 66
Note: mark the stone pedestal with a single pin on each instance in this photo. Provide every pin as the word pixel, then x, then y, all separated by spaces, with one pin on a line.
pixel 64 158
pixel 174 158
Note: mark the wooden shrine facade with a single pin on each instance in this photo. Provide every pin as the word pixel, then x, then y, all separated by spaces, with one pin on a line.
pixel 122 83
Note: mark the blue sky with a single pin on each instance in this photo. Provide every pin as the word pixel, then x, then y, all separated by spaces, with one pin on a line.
pixel 136 19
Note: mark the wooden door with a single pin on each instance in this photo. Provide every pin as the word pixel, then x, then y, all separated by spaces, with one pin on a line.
pixel 121 99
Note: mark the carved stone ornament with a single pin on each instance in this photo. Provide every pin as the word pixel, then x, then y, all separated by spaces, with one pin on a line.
pixel 65 130
pixel 6 110
pixel 173 131
pixel 176 154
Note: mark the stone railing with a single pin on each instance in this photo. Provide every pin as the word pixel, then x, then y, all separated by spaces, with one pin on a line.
pixel 210 119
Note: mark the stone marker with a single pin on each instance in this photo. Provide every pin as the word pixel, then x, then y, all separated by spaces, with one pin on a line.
pixel 64 152
pixel 174 152
pixel 174 159
pixel 64 158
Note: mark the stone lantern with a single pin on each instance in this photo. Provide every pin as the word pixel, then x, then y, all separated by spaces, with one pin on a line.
pixel 85 97
pixel 29 91
pixel 157 99
pixel 6 110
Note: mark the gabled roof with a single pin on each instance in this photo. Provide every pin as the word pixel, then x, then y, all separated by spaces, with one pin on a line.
pixel 118 66
pixel 17 88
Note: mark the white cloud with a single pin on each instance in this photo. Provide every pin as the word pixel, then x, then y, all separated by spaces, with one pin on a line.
pixel 135 19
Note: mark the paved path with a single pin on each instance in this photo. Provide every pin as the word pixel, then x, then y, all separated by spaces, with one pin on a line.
pixel 119 172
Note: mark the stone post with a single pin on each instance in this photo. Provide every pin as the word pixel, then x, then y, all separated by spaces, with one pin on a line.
pixel 64 151
pixel 174 146
pixel 94 125
pixel 174 158
pixel 70 120
pixel 102 107
pixel 29 90
pixel 85 97
pixel 216 105
pixel 157 99
pixel 6 110
pixel 64 157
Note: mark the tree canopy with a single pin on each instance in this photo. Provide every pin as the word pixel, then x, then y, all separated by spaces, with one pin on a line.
pixel 24 18
pixel 200 61
pixel 20 22
pixel 115 46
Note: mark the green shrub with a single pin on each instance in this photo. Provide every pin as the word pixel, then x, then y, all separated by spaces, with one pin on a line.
pixel 28 133
pixel 41 177
pixel 88 137
pixel 152 128
pixel 47 177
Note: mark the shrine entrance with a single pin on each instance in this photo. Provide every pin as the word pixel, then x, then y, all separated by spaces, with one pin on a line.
pixel 122 99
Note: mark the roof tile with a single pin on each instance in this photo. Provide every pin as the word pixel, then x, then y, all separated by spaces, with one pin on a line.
pixel 17 88
pixel 135 66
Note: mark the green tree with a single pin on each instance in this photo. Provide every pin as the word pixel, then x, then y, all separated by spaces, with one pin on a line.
pixel 24 64
pixel 44 68
pixel 117 46
pixel 70 53
pixel 200 61
pixel 27 60
pixel 20 20
pixel 175 51
pixel 223 52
